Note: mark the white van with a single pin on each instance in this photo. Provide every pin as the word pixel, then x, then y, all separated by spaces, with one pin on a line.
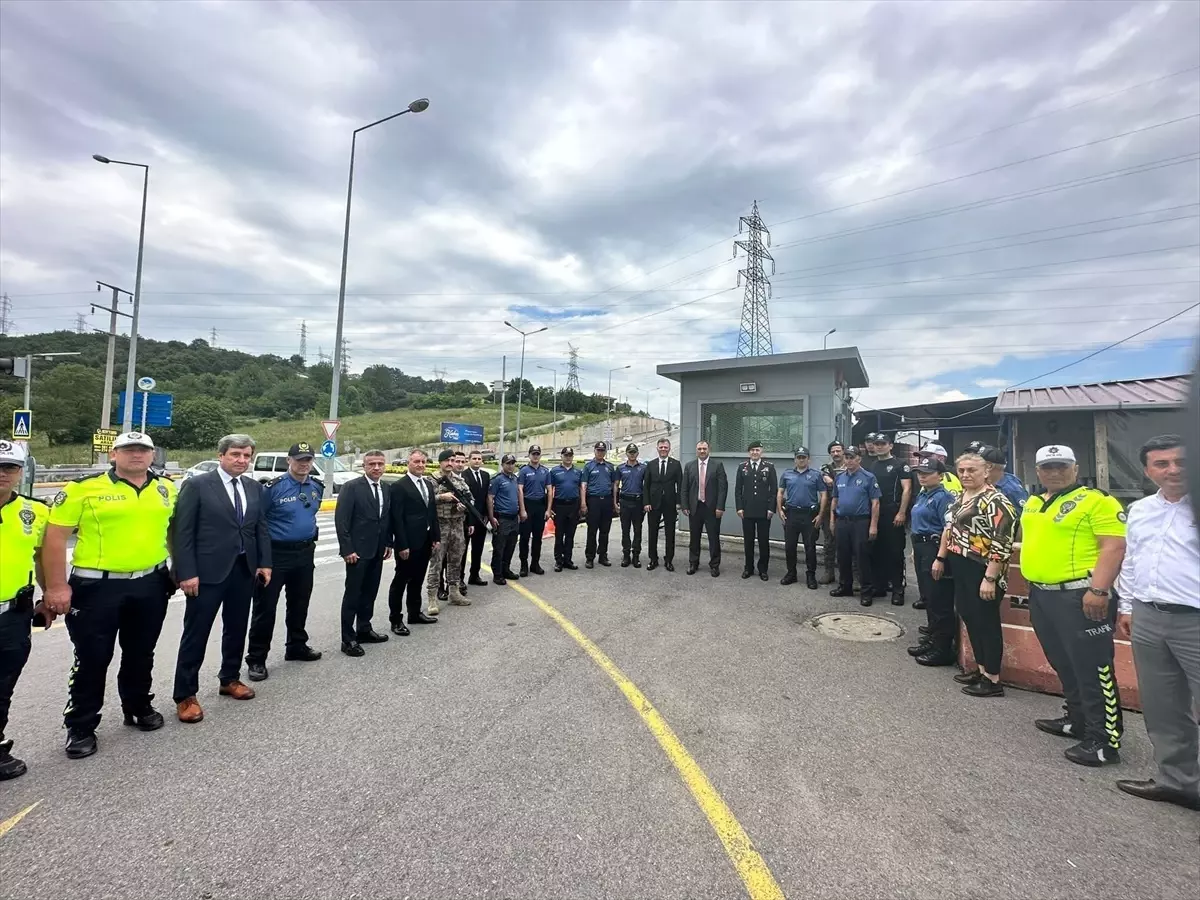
pixel 272 464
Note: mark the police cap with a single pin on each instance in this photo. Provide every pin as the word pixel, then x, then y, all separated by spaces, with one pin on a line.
pixel 302 450
pixel 974 447
pixel 851 451
pixel 567 451
pixel 632 448
pixel 11 454
pixel 930 465
pixel 445 455
pixel 133 439
pixel 802 451
pixel 507 458
pixel 994 455
pixel 754 445
pixel 536 448
pixel 833 444
pixel 600 445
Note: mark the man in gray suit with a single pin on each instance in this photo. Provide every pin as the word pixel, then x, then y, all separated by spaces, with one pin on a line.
pixel 705 489
pixel 221 548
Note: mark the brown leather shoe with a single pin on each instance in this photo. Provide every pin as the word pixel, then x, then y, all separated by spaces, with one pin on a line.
pixel 189 710
pixel 237 691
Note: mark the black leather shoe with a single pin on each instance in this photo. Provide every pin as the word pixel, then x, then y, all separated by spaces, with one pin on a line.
pixel 764 576
pixel 524 570
pixel 256 671
pixel 570 565
pixel 918 604
pixel 1146 790
pixel 923 629
pixel 652 565
pixel 1093 754
pixel 897 599
pixel 510 575
pixel 500 582
pixel 422 619
pixel 866 600
pixel 968 677
pixel 10 766
pixel 923 646
pixel 984 687
pixel 747 573
pixel 691 570
pixel 401 630
pixel 810 582
pixel 302 654
pixel 715 571
pixel 145 719
pixel 604 561
pixel 789 578
pixel 80 743
pixel 477 581
pixel 558 567
pixel 1062 726
pixel 353 648
pixel 669 566
pixel 937 656
pixel 841 592
pixel 536 569
pixel 371 637
pixel 625 562
pixel 589 564
pixel 637 562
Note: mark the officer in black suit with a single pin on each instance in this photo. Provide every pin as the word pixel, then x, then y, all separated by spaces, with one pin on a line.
pixel 364 542
pixel 702 500
pixel 415 535
pixel 478 479
pixel 662 489
pixel 754 494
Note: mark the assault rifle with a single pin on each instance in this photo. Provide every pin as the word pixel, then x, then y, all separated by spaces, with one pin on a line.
pixel 466 500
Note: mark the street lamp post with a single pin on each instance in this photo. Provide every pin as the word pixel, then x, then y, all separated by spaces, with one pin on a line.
pixel 335 387
pixel 649 391
pixel 554 420
pixel 29 358
pixel 825 340
pixel 521 375
pixel 610 397
pixel 131 374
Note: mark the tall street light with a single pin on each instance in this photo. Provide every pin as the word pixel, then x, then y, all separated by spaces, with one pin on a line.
pixel 825 340
pixel 554 421
pixel 521 376
pixel 131 374
pixel 610 397
pixel 649 391
pixel 335 388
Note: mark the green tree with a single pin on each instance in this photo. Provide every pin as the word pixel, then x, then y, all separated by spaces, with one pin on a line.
pixel 67 403
pixel 199 422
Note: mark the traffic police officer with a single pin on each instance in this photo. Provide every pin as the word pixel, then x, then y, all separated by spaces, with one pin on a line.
pixel 596 504
pixel 504 510
pixel 292 502
pixel 895 485
pixel 949 479
pixel 802 503
pixel 627 500
pixel 755 492
pixel 118 587
pixel 1071 552
pixel 563 508
pixel 855 523
pixel 532 481
pixel 935 648
pixel 22 528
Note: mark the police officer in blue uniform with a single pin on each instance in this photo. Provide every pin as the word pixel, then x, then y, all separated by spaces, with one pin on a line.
pixel 856 497
pixel 627 499
pixel 532 481
pixel 1003 480
pixel 802 503
pixel 292 502
pixel 563 508
pixel 596 504
pixel 504 509
pixel 936 646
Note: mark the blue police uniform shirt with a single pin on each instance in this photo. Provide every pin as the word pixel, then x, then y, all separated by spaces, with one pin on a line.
pixel 566 481
pixel 292 507
pixel 599 477
pixel 929 511
pixel 631 477
pixel 854 493
pixel 802 488
pixel 1010 486
pixel 504 489
pixel 534 481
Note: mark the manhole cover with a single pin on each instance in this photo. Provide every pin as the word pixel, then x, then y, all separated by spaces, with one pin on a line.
pixel 857 627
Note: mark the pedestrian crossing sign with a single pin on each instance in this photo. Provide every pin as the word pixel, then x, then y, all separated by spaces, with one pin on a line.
pixel 22 429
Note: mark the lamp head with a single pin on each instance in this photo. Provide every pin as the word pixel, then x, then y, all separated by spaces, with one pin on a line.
pixel 418 105
pixel 98 158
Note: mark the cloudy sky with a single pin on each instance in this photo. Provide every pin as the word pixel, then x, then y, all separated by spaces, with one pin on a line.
pixel 972 193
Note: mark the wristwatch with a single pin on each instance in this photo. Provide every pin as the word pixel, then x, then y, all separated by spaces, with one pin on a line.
pixel 1098 592
pixel 990 579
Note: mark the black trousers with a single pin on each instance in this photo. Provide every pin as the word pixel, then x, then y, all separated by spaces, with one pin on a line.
pixel 982 617
pixel 358 599
pixel 704 520
pixel 599 521
pixel 887 553
pixel 854 548
pixel 103 612
pixel 15 644
pixel 566 520
pixel 408 584
pixel 760 529
pixel 292 569
pixel 476 542
pixel 632 517
pixel 231 598
pixel 1081 652
pixel 669 519
pixel 532 529
pixel 799 527
pixel 504 544
pixel 938 595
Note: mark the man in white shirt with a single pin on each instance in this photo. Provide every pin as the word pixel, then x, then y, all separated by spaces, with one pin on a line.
pixel 1160 614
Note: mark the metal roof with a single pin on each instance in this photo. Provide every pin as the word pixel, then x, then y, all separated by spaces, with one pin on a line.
pixel 847 359
pixel 1144 393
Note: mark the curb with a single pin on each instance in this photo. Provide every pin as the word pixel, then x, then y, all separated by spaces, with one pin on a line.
pixel 327 505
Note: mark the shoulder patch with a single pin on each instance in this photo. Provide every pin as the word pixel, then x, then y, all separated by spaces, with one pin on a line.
pixel 59 499
pixel 1122 517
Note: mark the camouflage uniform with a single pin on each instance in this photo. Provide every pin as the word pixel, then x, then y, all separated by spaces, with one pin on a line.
pixel 449 554
pixel 829 545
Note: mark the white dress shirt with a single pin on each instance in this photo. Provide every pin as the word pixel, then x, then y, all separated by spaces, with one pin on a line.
pixel 377 491
pixel 227 480
pixel 1162 554
pixel 421 485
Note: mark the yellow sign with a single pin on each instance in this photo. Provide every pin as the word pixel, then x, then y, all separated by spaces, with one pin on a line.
pixel 102 440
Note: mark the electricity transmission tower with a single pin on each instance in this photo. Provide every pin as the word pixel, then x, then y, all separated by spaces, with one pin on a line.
pixel 6 322
pixel 322 356
pixel 212 338
pixel 304 342
pixel 754 338
pixel 573 369
pixel 81 323
pixel 345 356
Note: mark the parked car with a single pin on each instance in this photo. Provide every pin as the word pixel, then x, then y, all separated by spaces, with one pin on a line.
pixel 199 468
pixel 271 464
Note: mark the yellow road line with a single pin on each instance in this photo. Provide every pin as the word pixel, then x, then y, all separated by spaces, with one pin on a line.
pixel 9 824
pixel 760 883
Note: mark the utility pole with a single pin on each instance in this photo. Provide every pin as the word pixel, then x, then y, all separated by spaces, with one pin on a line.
pixel 106 411
pixel 503 394
pixel 304 342
pixel 754 337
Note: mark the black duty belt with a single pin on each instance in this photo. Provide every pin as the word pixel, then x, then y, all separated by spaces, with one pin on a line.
pixel 631 496
pixel 559 501
pixel 1172 607
pixel 507 515
pixel 293 545
pixel 926 538
pixel 599 496
pixel 853 518
pixel 800 508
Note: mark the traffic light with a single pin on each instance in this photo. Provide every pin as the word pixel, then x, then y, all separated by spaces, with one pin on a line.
pixel 11 366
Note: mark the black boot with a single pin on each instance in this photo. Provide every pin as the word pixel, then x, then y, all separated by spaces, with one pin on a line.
pixel 918 603
pixel 80 743
pixel 922 646
pixel 810 581
pixel 637 561
pixel 789 578
pixel 937 656
pixel 625 561
pixel 10 766
pixel 144 717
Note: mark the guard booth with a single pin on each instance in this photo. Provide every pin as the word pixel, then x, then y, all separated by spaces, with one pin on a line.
pixel 785 400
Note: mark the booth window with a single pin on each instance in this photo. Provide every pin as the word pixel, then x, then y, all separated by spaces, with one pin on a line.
pixel 1127 431
pixel 730 427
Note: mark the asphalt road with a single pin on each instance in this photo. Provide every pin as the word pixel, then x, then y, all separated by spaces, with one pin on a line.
pixel 491 756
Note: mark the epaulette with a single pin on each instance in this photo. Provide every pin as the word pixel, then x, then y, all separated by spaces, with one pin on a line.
pixel 317 481
pixel 271 482
pixel 83 478
pixel 40 500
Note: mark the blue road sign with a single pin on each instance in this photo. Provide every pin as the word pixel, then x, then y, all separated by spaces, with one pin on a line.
pixel 22 429
pixel 456 433
pixel 159 409
pixel 329 449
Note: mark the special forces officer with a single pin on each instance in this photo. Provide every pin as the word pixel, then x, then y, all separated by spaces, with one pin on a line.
pixel 895 486
pixel 452 515
pixel 292 502
pixel 504 510
pixel 22 528
pixel 802 503
pixel 596 504
pixel 563 507
pixel 855 524
pixel 532 481
pixel 831 470
pixel 118 587
pixel 754 492
pixel 627 500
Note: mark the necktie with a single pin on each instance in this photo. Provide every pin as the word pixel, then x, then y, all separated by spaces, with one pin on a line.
pixel 421 490
pixel 662 468
pixel 375 491
pixel 239 513
pixel 703 477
